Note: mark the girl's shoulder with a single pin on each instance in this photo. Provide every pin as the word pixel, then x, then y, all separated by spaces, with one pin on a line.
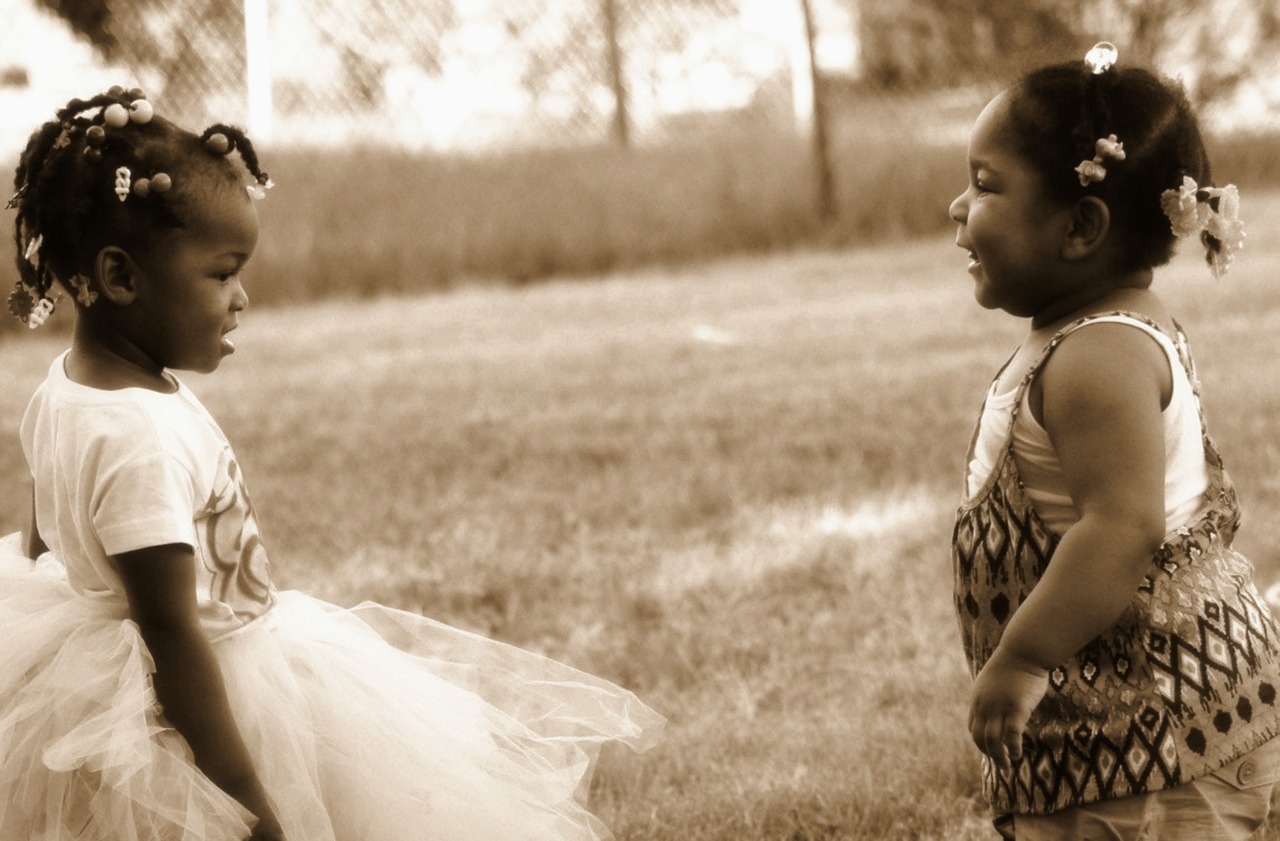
pixel 121 421
pixel 1125 349
pixel 1126 356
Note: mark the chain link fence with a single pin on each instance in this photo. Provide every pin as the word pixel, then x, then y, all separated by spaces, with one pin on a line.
pixel 480 75
pixel 584 135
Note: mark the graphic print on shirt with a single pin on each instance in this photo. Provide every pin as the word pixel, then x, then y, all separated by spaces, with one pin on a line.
pixel 234 552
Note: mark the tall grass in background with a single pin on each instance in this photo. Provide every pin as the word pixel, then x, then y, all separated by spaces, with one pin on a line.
pixel 365 223
pixel 369 222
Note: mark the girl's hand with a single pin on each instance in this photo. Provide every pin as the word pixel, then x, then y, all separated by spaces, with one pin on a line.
pixel 1006 692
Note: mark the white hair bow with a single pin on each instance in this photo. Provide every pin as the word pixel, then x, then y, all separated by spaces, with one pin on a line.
pixel 1216 210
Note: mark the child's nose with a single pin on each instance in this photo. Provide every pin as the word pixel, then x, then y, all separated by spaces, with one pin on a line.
pixel 959 210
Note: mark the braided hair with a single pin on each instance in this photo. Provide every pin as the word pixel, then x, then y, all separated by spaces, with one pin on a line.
pixel 1058 113
pixel 73 198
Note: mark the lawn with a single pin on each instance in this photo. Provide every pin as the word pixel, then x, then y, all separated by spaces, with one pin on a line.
pixel 727 487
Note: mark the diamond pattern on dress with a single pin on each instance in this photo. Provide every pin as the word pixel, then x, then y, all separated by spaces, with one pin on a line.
pixel 1184 681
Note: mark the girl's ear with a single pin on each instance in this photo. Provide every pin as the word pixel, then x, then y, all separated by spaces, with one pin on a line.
pixel 1090 223
pixel 117 275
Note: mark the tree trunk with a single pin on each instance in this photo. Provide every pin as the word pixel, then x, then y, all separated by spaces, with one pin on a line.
pixel 823 169
pixel 617 82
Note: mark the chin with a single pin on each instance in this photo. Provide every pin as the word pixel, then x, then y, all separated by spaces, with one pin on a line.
pixel 985 301
pixel 199 366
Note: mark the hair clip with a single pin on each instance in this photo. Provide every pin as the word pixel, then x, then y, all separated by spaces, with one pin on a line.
pixel 1102 57
pixel 1193 209
pixel 122 182
pixel 32 251
pixel 40 313
pixel 258 190
pixel 24 306
pixel 64 138
pixel 21 301
pixel 13 200
pixel 84 294
pixel 1105 149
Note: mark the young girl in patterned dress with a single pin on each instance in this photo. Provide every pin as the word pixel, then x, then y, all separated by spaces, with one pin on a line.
pixel 1126 667
pixel 154 685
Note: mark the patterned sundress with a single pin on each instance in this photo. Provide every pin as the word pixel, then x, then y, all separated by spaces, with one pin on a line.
pixel 1184 682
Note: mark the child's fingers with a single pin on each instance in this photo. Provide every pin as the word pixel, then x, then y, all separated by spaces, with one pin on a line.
pixel 999 737
pixel 1013 727
pixel 998 742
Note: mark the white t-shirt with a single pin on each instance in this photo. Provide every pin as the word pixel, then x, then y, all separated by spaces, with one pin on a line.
pixel 132 468
pixel 1186 474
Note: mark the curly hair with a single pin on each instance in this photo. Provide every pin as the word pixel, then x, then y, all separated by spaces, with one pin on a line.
pixel 66 200
pixel 1057 114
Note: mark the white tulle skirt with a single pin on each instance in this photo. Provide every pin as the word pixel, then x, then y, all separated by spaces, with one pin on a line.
pixel 367 724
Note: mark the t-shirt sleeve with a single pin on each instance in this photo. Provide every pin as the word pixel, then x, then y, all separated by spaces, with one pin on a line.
pixel 148 500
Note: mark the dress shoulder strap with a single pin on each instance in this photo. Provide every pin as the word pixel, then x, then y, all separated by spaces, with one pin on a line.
pixel 1178 342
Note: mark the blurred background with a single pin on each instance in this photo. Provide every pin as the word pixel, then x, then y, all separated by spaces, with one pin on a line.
pixel 693 410
pixel 420 144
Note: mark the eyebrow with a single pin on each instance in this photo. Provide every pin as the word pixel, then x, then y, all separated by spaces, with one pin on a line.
pixel 239 257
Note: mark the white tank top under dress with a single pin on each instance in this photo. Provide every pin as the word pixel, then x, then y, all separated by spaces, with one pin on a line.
pixel 1185 681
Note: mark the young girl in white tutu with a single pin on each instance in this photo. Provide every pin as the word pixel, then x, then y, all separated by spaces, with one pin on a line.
pixel 153 683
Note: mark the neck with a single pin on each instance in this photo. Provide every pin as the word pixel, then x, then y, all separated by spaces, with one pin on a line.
pixel 102 357
pixel 1089 297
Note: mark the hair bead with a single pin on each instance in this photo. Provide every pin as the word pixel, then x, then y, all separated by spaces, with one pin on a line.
pixel 59 223
pixel 141 111
pixel 218 143
pixel 115 115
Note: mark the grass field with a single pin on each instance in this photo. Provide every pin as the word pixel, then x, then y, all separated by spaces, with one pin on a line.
pixel 728 488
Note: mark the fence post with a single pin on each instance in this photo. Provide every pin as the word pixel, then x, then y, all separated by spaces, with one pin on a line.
pixel 617 82
pixel 257 51
pixel 824 170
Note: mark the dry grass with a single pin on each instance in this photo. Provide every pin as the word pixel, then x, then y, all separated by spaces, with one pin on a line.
pixel 727 487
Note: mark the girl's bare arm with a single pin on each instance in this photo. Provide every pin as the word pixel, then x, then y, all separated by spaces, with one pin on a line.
pixel 1102 410
pixel 160 584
